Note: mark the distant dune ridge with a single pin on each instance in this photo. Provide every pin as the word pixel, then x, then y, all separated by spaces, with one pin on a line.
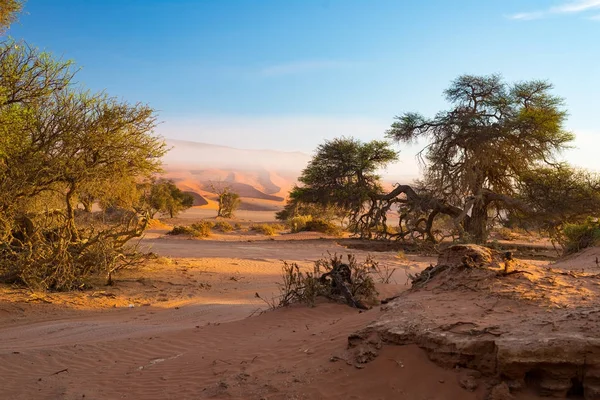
pixel 262 178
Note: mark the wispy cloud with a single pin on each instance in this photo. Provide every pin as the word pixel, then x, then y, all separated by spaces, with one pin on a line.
pixel 528 16
pixel 300 67
pixel 595 17
pixel 569 7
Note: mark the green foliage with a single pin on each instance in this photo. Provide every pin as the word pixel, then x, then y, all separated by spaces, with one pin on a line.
pixel 323 226
pixel 8 13
pixel 341 176
pixel 165 197
pixel 557 196
pixel 577 237
pixel 224 226
pixel 56 143
pixel 493 135
pixel 228 201
pixel 295 207
pixel 298 223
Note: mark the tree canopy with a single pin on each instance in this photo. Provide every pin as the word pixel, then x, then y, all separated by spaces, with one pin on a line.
pixel 165 197
pixel 228 201
pixel 57 142
pixel 492 136
pixel 343 174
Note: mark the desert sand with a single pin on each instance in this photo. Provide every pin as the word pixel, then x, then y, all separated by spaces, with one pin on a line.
pixel 188 325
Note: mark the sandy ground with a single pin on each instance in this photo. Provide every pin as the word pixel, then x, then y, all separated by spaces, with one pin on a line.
pixel 188 325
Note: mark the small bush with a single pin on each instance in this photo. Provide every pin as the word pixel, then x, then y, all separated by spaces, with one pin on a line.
pixel 323 226
pixel 267 229
pixel 298 223
pixel 201 229
pixel 580 236
pixel 238 226
pixel 224 226
pixel 181 230
pixel 305 287
pixel 507 234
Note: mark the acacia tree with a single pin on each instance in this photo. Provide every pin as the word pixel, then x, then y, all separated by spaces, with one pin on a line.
pixel 55 142
pixel 481 147
pixel 165 197
pixel 342 176
pixel 228 201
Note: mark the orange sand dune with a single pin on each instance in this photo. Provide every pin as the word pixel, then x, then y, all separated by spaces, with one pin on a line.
pixel 257 189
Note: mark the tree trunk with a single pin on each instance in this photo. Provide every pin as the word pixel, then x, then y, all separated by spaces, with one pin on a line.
pixel 476 224
pixel 72 229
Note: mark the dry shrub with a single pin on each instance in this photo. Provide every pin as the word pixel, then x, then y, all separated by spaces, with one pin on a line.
pixel 224 226
pixel 305 287
pixel 203 228
pixel 267 229
pixel 181 230
pixel 200 229
pixel 507 234
pixel 43 255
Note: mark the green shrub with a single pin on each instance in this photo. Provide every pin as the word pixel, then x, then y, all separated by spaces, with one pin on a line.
pixel 224 226
pixel 323 226
pixel 579 236
pixel 298 223
pixel 238 226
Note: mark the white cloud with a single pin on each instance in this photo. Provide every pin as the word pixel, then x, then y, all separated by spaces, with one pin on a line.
pixel 303 67
pixel 595 17
pixel 528 16
pixel 576 6
pixel 570 7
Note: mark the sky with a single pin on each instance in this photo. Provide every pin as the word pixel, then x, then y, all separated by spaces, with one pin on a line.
pixel 288 74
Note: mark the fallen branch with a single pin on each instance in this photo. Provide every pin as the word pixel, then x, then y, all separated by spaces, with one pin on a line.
pixel 60 372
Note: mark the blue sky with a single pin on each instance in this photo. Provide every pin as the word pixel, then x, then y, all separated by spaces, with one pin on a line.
pixel 285 74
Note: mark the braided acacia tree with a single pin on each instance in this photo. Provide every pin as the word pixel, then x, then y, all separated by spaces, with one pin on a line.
pixel 479 150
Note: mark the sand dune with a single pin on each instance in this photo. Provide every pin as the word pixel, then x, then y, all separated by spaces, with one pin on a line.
pixel 258 189
pixel 262 178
